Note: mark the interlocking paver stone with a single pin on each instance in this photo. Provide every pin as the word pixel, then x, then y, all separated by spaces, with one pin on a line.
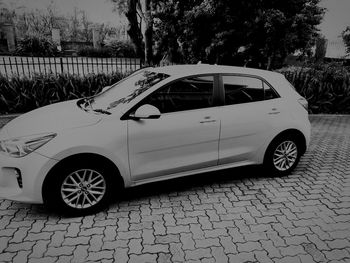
pixel 231 217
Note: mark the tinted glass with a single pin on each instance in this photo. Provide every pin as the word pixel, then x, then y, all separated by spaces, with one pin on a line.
pixel 127 89
pixel 240 89
pixel 186 94
pixel 269 92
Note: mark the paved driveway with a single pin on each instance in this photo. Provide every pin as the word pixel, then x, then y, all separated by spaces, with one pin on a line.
pixel 238 215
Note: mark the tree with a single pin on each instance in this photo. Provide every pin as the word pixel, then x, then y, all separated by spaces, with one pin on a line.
pixel 137 13
pixel 259 33
pixel 321 49
pixel 40 23
pixel 346 39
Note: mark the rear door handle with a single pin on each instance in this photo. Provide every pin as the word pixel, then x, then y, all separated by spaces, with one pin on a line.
pixel 274 111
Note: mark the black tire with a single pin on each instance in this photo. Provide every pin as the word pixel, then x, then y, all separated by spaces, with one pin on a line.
pixel 62 187
pixel 274 164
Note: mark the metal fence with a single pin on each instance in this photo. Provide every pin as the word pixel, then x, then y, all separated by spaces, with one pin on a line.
pixel 28 66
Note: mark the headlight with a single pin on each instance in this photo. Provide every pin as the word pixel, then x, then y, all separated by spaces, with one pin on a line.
pixel 19 147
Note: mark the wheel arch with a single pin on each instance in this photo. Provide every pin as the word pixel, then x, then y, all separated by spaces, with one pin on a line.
pixel 87 157
pixel 289 132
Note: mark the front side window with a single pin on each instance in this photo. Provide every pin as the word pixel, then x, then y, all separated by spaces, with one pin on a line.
pixel 185 94
pixel 239 89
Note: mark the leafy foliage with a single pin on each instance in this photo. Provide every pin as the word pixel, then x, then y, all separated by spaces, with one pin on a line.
pixel 94 52
pixel 245 32
pixel 36 46
pixel 114 48
pixel 346 38
pixel 121 48
pixel 325 86
pixel 22 94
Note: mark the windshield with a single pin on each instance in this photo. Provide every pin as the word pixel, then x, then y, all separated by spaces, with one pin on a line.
pixel 126 90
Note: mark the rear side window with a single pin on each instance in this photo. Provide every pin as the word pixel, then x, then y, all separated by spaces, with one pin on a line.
pixel 239 89
pixel 269 93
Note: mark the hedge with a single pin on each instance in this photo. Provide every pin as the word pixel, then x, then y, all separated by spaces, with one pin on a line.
pixel 22 94
pixel 326 87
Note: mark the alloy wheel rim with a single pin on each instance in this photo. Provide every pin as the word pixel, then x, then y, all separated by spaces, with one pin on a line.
pixel 83 188
pixel 285 155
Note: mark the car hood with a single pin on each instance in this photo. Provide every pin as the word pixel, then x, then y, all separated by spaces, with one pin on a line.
pixel 51 118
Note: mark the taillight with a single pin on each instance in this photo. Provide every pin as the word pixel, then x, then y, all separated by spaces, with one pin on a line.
pixel 303 102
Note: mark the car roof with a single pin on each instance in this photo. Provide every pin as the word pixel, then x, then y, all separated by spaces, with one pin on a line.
pixel 188 70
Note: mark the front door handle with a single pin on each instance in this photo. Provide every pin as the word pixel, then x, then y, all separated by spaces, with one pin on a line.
pixel 207 121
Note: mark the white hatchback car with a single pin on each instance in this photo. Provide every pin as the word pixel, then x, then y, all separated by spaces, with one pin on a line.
pixel 157 124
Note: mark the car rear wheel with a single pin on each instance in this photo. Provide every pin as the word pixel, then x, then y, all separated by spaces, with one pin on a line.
pixel 78 189
pixel 282 156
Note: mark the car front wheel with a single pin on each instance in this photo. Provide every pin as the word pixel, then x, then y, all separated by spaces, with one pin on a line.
pixel 282 156
pixel 78 189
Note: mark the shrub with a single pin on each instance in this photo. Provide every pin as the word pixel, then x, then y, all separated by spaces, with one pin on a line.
pixel 121 49
pixel 112 49
pixel 22 94
pixel 325 86
pixel 36 46
pixel 95 52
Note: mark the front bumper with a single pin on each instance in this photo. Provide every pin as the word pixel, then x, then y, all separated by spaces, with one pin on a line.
pixel 31 169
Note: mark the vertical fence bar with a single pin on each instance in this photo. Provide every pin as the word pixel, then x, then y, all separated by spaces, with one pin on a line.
pixel 115 65
pixel 33 63
pixel 71 60
pixel 55 63
pixel 50 64
pixel 96 59
pixel 107 65
pixel 28 67
pixel 16 66
pixel 44 65
pixel 22 67
pixel 82 66
pixel 67 63
pixel 5 66
pixel 39 64
pixel 10 65
pixel 77 63
pixel 61 63
pixel 87 65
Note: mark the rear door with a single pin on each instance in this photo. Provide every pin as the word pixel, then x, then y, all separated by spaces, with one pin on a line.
pixel 245 118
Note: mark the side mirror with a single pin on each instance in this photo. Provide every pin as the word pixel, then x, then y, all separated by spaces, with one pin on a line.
pixel 146 111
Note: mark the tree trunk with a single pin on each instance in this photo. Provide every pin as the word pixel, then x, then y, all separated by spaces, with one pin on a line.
pixel 148 33
pixel 134 31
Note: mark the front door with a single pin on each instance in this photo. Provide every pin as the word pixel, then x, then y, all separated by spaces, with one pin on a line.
pixel 185 137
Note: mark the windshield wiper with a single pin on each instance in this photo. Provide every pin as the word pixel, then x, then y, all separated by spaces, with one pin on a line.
pixel 102 111
pixel 87 102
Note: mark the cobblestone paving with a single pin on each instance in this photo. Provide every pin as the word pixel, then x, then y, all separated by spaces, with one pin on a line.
pixel 236 215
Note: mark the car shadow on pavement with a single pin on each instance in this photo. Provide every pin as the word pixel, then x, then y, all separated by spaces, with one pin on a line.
pixel 207 182
pixel 195 182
